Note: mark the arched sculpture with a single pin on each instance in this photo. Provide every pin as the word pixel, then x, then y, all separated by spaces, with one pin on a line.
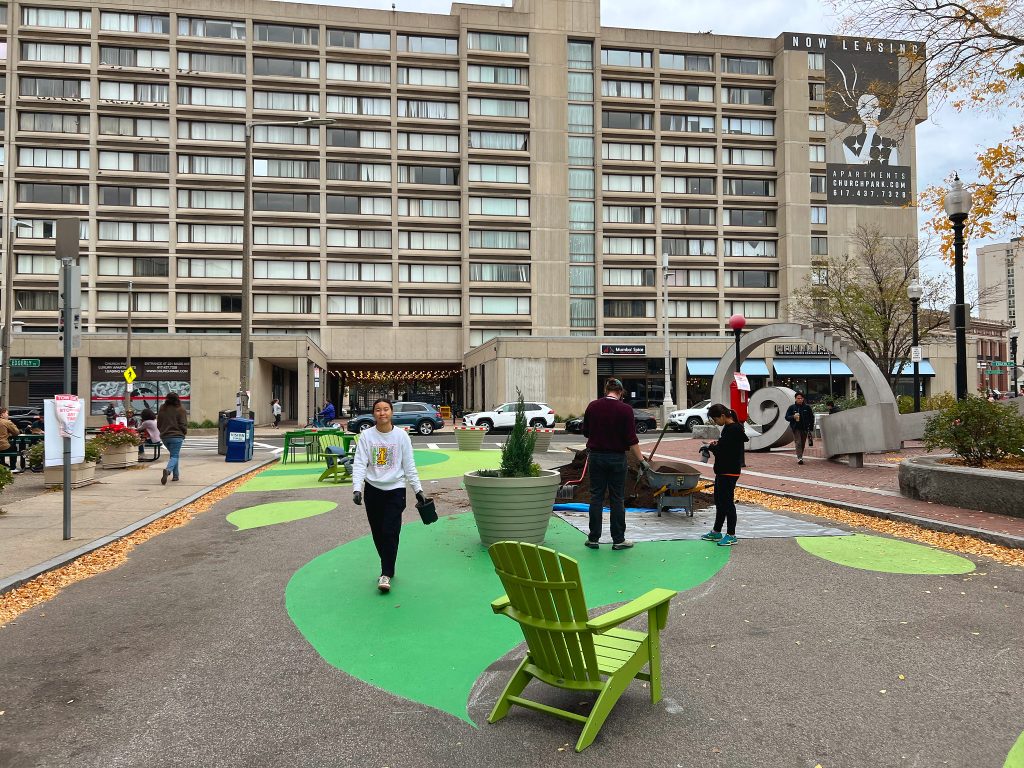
pixel 876 427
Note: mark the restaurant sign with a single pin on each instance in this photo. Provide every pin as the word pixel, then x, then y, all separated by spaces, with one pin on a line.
pixel 623 349
pixel 800 350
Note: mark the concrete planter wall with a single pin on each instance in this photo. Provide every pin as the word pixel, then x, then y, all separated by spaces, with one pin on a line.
pixel 990 490
pixel 512 508
pixel 81 474
pixel 543 439
pixel 119 456
pixel 470 438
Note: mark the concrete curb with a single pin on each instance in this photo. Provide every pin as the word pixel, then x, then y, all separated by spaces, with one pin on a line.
pixel 1002 539
pixel 12 582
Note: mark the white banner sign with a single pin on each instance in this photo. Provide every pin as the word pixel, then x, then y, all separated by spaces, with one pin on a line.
pixel 63 416
pixel 916 355
pixel 741 381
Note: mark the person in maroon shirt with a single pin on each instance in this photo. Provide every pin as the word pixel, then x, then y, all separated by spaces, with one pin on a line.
pixel 610 428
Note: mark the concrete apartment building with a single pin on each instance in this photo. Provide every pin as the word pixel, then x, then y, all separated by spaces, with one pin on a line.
pixel 1000 268
pixel 490 208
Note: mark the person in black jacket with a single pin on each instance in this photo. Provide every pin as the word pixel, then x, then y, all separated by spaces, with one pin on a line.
pixel 728 450
pixel 801 421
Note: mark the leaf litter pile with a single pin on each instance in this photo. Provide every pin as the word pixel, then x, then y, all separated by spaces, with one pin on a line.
pixel 106 558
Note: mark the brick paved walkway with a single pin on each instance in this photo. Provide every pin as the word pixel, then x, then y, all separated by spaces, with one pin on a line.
pixel 873 489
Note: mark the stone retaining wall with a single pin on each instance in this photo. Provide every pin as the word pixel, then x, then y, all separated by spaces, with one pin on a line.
pixel 990 490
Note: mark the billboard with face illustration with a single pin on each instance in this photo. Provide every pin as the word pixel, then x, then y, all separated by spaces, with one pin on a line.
pixel 869 106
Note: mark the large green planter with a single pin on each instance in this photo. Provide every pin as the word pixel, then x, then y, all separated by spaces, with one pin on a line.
pixel 543 439
pixel 512 508
pixel 470 438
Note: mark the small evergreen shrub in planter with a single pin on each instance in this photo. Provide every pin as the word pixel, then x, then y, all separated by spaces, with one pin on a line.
pixel 977 431
pixel 513 502
pixel 6 477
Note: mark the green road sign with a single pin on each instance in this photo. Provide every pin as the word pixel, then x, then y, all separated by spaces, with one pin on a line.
pixel 24 362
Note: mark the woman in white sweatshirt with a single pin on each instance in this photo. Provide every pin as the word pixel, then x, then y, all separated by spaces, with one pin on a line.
pixel 382 469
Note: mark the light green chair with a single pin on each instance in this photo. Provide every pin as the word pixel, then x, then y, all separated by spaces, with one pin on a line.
pixel 566 649
pixel 339 466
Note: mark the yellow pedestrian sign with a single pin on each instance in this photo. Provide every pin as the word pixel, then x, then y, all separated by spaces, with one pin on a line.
pixel 129 374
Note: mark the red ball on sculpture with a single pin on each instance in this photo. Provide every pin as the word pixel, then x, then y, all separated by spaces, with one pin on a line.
pixel 737 321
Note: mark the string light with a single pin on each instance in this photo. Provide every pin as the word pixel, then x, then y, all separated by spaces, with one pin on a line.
pixel 383 376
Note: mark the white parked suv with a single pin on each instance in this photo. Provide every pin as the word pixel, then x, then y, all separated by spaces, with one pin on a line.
pixel 504 417
pixel 685 420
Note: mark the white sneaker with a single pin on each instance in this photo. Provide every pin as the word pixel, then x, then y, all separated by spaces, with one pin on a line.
pixel 384 584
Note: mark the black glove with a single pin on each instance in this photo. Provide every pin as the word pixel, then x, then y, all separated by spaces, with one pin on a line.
pixel 420 497
pixel 357 498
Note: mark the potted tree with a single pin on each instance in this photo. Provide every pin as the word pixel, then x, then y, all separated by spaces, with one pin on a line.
pixel 515 501
pixel 118 445
pixel 53 477
pixel 6 477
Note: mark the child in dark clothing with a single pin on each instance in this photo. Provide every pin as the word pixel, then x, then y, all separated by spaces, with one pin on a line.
pixel 728 450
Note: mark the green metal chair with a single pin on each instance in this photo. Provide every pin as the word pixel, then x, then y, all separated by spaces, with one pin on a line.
pixel 566 649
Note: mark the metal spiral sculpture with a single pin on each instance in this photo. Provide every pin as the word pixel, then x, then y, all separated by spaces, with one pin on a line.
pixel 767 407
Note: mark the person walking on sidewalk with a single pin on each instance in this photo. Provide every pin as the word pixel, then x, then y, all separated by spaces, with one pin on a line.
pixel 110 413
pixel 172 421
pixel 275 409
pixel 801 421
pixel 383 467
pixel 728 450
pixel 610 428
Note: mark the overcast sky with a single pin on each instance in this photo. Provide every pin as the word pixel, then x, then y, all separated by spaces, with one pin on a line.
pixel 948 141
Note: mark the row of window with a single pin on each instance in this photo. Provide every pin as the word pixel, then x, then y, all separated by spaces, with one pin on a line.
pixel 692 278
pixel 581 88
pixel 227 29
pixel 638 308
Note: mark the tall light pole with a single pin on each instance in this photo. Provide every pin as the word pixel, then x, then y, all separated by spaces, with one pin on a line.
pixel 914 293
pixel 1014 333
pixel 245 356
pixel 9 222
pixel 128 355
pixel 10 228
pixel 737 323
pixel 666 404
pixel 958 205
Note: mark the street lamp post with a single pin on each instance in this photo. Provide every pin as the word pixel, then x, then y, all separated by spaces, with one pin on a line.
pixel 914 293
pixel 737 322
pixel 245 357
pixel 666 404
pixel 958 205
pixel 1014 333
pixel 128 356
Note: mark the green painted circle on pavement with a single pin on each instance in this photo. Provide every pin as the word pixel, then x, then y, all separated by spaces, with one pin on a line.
pixel 426 458
pixel 277 512
pixel 434 634
pixel 876 553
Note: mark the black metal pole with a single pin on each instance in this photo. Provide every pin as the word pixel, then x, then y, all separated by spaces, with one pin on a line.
pixel 737 332
pixel 1013 359
pixel 960 307
pixel 917 365
pixel 69 320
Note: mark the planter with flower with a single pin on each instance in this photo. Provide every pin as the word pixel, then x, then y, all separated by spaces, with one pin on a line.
pixel 513 503
pixel 82 473
pixel 119 446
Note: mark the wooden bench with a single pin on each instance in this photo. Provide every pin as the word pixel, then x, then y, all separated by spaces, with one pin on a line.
pixel 156 450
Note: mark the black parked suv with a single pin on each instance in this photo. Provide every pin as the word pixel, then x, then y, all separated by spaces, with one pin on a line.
pixel 23 416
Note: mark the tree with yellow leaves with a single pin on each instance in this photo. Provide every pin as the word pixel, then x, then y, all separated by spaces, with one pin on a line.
pixel 975 61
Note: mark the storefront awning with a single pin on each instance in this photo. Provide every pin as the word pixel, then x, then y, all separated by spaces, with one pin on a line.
pixel 908 369
pixel 705 366
pixel 810 367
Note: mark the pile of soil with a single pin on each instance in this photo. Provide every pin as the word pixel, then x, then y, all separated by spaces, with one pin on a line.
pixel 638 492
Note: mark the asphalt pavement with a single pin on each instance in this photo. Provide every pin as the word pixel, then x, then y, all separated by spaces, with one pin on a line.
pixel 187 656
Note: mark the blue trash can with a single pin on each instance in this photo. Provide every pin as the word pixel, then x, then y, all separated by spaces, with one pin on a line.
pixel 241 433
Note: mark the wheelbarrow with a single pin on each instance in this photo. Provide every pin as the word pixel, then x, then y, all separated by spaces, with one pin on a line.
pixel 674 489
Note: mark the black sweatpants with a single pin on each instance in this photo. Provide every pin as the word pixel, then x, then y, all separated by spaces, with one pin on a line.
pixel 725 505
pixel 384 512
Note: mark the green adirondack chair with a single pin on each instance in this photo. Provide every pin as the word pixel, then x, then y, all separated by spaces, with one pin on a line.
pixel 566 649
pixel 338 469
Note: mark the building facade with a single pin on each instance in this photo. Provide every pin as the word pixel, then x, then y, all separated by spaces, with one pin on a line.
pixel 1000 268
pixel 495 172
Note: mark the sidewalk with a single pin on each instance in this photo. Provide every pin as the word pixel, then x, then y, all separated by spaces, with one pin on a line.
pixel 31 530
pixel 873 490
